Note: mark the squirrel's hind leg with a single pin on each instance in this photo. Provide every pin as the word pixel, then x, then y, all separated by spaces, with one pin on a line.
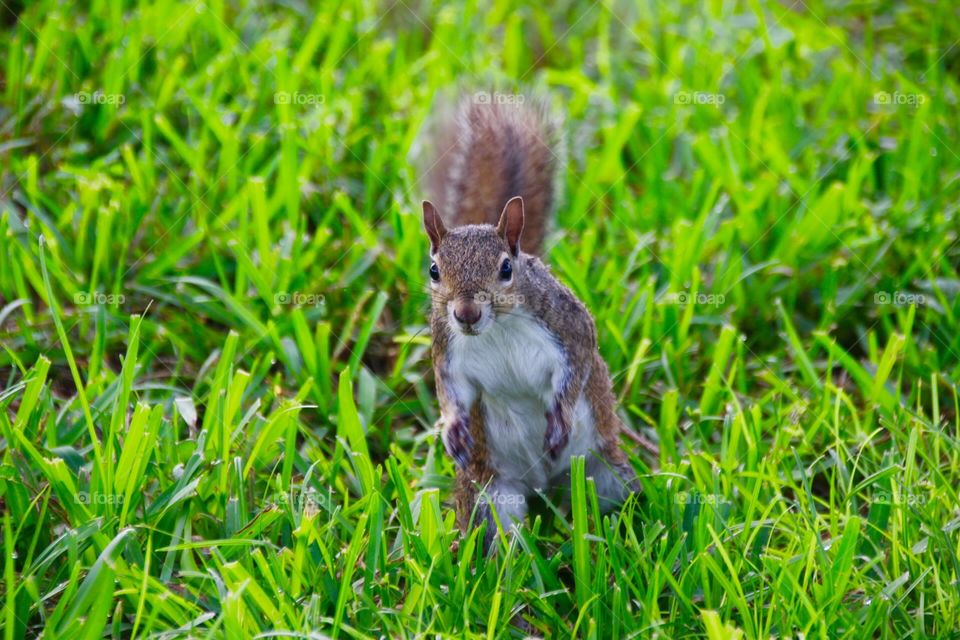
pixel 613 477
pixel 490 501
pixel 480 491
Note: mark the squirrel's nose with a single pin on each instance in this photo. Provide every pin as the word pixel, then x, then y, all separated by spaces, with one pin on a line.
pixel 466 312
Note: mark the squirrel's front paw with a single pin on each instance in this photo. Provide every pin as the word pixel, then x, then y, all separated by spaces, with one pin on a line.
pixel 558 433
pixel 458 441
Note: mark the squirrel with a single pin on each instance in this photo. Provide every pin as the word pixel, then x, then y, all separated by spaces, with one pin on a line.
pixel 519 378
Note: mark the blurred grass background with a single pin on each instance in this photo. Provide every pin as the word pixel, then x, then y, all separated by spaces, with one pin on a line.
pixel 217 407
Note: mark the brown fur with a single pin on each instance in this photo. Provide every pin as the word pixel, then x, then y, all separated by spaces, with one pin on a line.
pixel 498 152
pixel 489 153
pixel 469 258
pixel 472 479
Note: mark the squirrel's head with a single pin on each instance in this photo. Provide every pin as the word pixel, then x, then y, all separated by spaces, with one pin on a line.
pixel 474 268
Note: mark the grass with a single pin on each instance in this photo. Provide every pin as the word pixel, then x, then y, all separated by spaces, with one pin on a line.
pixel 216 416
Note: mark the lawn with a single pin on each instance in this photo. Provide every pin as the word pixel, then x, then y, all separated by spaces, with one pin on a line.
pixel 216 402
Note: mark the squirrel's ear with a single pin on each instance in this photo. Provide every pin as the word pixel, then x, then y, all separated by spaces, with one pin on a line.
pixel 511 224
pixel 434 225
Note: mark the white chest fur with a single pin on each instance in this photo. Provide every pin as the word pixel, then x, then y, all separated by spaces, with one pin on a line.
pixel 515 368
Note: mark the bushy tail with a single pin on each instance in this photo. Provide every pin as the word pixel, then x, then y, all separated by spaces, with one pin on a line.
pixel 488 152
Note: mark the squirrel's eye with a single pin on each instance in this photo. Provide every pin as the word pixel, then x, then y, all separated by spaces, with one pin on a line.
pixel 506 270
pixel 434 272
